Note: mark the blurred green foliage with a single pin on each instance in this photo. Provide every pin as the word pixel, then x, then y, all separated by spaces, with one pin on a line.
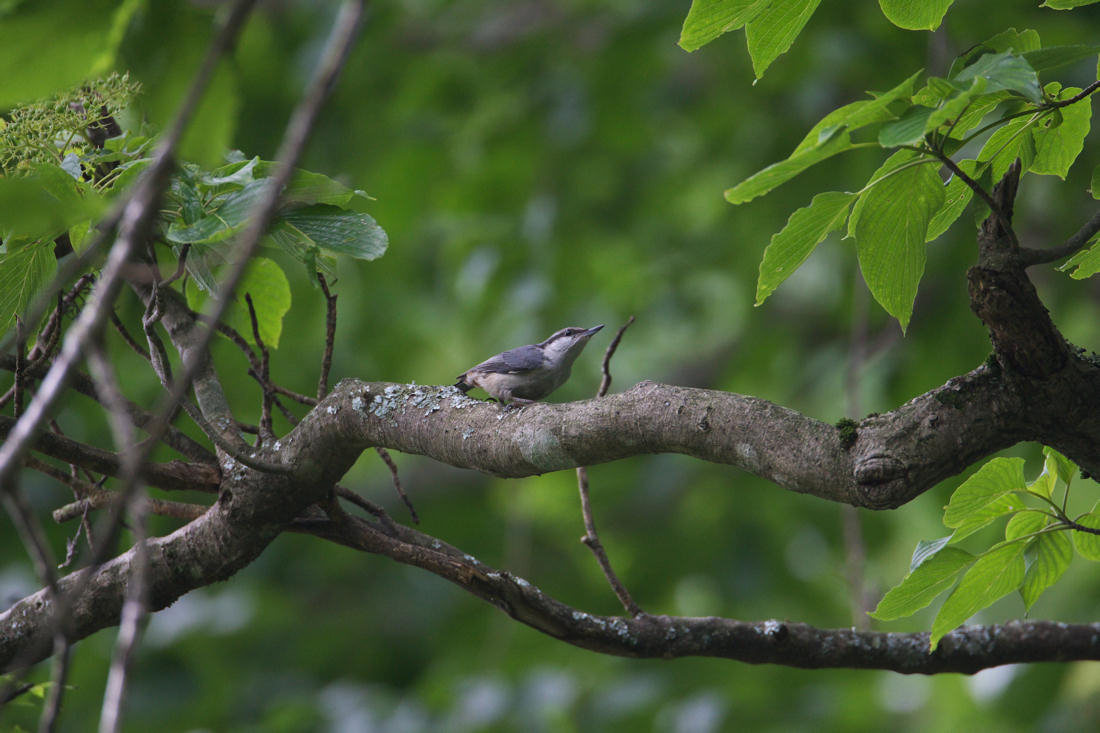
pixel 540 164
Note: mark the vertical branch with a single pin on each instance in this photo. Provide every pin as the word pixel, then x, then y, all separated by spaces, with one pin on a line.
pixel 591 539
pixel 330 337
pixel 267 428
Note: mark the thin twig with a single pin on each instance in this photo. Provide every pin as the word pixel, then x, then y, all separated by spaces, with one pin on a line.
pixel 976 187
pixel 388 460
pixel 330 337
pixel 181 266
pixel 20 365
pixel 59 673
pixel 591 538
pixel 1029 256
pixel 267 427
pixel 372 508
pixel 120 327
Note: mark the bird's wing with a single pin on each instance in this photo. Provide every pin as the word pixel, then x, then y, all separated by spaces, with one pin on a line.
pixel 513 361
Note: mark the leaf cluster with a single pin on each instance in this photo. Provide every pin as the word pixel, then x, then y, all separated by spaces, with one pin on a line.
pixel 1039 542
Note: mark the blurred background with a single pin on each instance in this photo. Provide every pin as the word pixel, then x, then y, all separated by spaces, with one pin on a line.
pixel 544 163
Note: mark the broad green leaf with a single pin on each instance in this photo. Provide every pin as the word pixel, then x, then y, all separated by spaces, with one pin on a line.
pixel 973 115
pixel 1086 261
pixel 708 19
pixel 44 203
pixel 915 15
pixel 1087 543
pixel 224 219
pixel 1008 71
pixel 949 113
pixel 1002 506
pixel 1057 146
pixel 1024 523
pixel 907 130
pixel 1055 462
pixel 1067 4
pixel 772 31
pixel 1048 556
pixel 232 176
pixel 806 229
pixel 776 174
pixel 923 584
pixel 269 289
pixel 956 195
pixel 1053 57
pixel 339 230
pixel 1013 140
pixel 24 273
pixel 890 223
pixel 1012 40
pixel 994 480
pixel 992 576
pixel 80 38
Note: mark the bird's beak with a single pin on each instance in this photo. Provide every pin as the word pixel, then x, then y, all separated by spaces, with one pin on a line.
pixel 592 331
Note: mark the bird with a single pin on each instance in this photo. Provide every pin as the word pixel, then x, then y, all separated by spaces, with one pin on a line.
pixel 526 374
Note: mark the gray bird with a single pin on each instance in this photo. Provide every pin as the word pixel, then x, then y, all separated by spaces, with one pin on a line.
pixel 529 373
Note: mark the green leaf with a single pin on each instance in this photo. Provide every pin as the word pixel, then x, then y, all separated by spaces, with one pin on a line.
pixel 1008 71
pixel 772 31
pixel 44 203
pixel 956 195
pixel 1025 523
pixel 1048 558
pixel 1087 543
pixel 1055 462
pixel 923 584
pixel 1086 261
pixel 269 289
pixel 24 273
pixel 708 19
pixel 915 15
pixel 992 576
pixel 776 174
pixel 1058 145
pixel 890 224
pixel 926 549
pixel 1067 4
pixel 1054 57
pixel 1012 40
pixel 80 31
pixel 993 481
pixel 225 218
pixel 950 112
pixel 1011 141
pixel 806 229
pixel 339 230
pixel 907 130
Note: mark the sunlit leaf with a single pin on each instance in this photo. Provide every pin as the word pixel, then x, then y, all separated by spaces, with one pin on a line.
pixel 1057 146
pixel 708 19
pixel 24 272
pixel 267 285
pixel 1088 543
pixel 993 481
pixel 776 174
pixel 772 31
pixel 992 576
pixel 1049 556
pixel 923 584
pixel 915 15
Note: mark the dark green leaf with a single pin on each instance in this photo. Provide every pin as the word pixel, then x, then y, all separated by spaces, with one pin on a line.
pixel 1008 71
pixel 907 130
pixel 339 230
pixel 1067 4
pixel 44 203
pixel 1053 57
pixel 227 217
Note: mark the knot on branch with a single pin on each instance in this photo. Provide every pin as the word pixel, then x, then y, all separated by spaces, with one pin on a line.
pixel 877 480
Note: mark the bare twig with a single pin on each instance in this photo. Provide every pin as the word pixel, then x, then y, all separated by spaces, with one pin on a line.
pixel 330 337
pixel 62 649
pixel 1003 218
pixel 20 365
pixel 120 327
pixel 388 460
pixel 591 538
pixel 181 266
pixel 1029 256
pixel 267 429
